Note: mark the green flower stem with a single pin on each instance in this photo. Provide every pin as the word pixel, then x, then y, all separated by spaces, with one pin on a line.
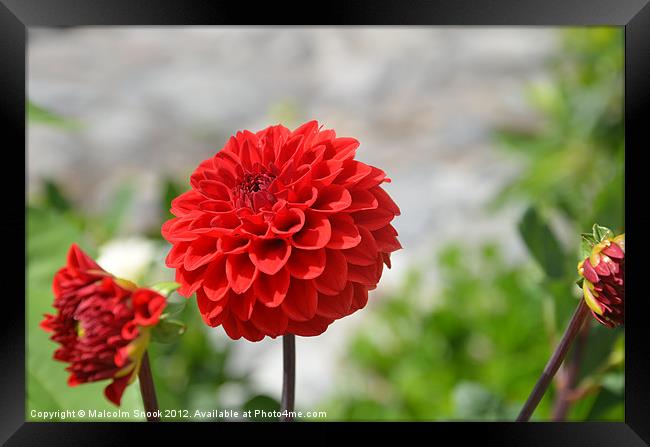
pixel 577 320
pixel 147 390
pixel 288 376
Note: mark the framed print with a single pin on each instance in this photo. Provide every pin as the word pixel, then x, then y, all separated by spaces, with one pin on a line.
pixel 388 218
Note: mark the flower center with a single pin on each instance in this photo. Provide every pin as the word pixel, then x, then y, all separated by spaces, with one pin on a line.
pixel 253 192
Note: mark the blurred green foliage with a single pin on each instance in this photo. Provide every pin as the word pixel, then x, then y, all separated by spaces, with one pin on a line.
pixel 474 348
pixel 40 115
pixel 572 163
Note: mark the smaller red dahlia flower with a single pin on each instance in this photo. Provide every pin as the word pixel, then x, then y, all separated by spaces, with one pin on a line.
pixel 603 273
pixel 102 324
pixel 282 232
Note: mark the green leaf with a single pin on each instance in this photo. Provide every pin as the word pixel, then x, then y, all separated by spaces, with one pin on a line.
pixel 165 288
pixel 38 114
pixel 171 190
pixel 54 197
pixel 587 243
pixel 542 243
pixel 175 305
pixel 602 233
pixel 168 331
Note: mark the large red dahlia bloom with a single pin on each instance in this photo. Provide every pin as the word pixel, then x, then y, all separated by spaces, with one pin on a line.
pixel 282 232
pixel 102 324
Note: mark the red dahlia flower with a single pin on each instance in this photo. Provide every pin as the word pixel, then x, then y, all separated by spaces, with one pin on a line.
pixel 604 280
pixel 282 232
pixel 102 324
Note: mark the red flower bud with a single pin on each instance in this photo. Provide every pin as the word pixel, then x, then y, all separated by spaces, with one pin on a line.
pixel 102 324
pixel 282 232
pixel 604 280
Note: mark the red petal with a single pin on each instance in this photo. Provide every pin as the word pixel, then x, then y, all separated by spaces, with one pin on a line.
pixel 301 300
pixel 345 148
pixel 249 331
pixel 312 156
pixel 270 255
pixel 176 254
pixel 359 298
pixel 270 320
pixel 353 171
pixel 365 253
pixel 176 230
pixel 614 251
pixel 215 284
pixel 373 219
pixel 311 328
pixel 271 289
pixel 334 277
pixel 589 272
pixel 345 234
pixel 114 391
pixel 190 281
pixel 186 202
pixel 216 206
pixel 325 172
pixel 80 261
pixel 385 201
pixel 199 253
pixel 224 223
pixel 601 268
pixel 240 272
pixel 386 239
pixel 306 264
pixel 211 311
pixel 309 128
pixel 242 305
pixel 249 150
pixel 367 275
pixel 255 225
pixel 332 199
pixel 233 244
pixel 231 327
pixel 302 197
pixel 314 234
pixel 148 305
pixel 336 306
pixel 288 150
pixel 376 177
pixel 386 258
pixel 213 189
pixel 362 200
pixel 288 221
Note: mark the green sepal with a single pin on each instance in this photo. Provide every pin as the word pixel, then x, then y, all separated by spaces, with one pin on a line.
pixel 601 233
pixel 165 288
pixel 168 331
pixel 175 305
pixel 587 243
pixel 580 282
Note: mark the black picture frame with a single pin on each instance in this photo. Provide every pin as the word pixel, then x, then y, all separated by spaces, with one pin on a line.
pixel 17 15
